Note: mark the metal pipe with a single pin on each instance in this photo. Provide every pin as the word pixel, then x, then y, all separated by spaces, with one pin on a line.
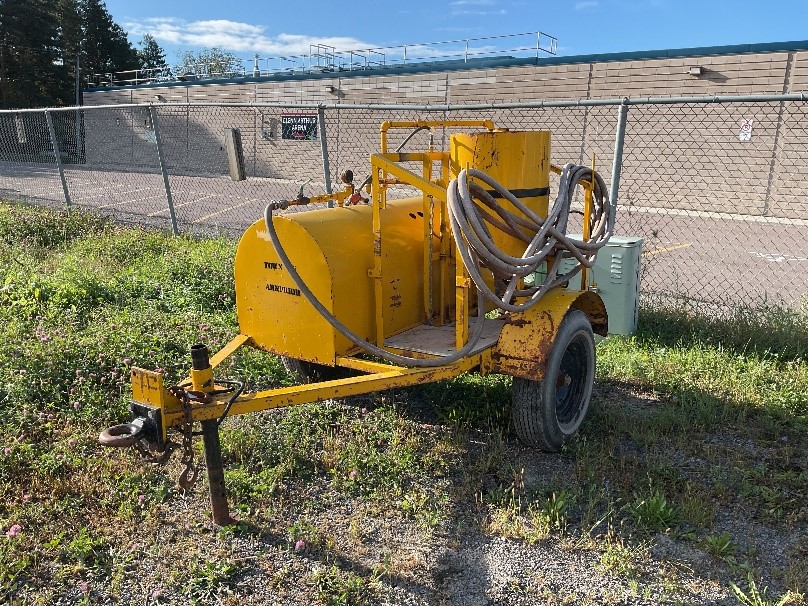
pixel 163 169
pixel 200 357
pixel 324 152
pixel 773 98
pixel 213 462
pixel 58 157
pixel 617 163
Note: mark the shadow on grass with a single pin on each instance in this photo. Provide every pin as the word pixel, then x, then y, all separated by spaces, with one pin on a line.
pixel 766 331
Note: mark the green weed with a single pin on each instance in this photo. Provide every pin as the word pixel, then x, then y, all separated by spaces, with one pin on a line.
pixel 756 597
pixel 720 546
pixel 336 587
pixel 653 513
pixel 209 580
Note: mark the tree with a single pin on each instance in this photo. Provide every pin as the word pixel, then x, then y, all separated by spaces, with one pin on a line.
pixel 70 23
pixel 150 54
pixel 105 47
pixel 31 70
pixel 210 62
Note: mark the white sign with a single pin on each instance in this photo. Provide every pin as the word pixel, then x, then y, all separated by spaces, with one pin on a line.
pixel 746 130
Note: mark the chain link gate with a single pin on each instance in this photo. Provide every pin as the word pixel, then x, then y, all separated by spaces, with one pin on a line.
pixel 715 187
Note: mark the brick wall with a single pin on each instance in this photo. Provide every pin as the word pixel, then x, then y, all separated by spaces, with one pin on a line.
pixel 695 148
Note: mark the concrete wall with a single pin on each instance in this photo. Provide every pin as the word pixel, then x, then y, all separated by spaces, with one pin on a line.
pixel 680 156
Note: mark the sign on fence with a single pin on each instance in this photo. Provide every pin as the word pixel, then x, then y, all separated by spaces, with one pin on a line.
pixel 746 130
pixel 300 127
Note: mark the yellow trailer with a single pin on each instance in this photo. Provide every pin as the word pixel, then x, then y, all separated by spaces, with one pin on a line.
pixel 408 290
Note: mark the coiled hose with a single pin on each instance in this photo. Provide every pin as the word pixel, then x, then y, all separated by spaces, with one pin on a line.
pixel 544 237
pixel 468 222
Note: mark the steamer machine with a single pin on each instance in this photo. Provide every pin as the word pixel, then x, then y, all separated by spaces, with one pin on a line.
pixel 464 276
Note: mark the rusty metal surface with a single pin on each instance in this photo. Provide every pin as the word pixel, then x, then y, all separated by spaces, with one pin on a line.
pixel 120 436
pixel 592 305
pixel 527 338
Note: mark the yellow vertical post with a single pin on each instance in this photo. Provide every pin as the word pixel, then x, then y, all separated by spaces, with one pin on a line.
pixel 586 232
pixel 376 273
pixel 427 210
pixel 445 248
pixel 462 287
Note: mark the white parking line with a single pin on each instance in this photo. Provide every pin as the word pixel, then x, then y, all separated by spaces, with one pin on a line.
pixel 180 205
pixel 776 257
pixel 130 201
pixel 108 193
pixel 219 212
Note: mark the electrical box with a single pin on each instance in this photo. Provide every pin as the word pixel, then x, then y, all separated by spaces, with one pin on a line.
pixel 616 278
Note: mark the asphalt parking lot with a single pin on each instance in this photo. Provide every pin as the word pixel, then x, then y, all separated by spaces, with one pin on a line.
pixel 707 257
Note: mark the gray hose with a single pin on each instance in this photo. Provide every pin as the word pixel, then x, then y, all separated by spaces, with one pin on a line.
pixel 352 336
pixel 468 203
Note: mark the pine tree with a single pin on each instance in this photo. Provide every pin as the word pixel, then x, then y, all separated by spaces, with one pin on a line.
pixel 70 22
pixel 150 54
pixel 31 70
pixel 105 48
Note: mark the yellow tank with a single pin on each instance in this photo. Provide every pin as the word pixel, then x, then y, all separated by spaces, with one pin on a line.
pixel 332 250
pixel 520 160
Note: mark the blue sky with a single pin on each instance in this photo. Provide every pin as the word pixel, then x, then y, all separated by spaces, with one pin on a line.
pixel 273 28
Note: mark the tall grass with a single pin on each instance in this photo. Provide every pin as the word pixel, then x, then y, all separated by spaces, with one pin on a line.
pixel 83 300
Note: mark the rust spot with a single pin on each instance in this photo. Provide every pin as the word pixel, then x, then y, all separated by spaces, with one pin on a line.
pixel 516 322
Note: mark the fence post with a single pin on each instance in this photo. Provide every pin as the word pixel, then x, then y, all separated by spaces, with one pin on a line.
pixel 617 164
pixel 163 169
pixel 324 150
pixel 58 156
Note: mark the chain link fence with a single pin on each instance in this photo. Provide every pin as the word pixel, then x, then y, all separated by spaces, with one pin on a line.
pixel 715 187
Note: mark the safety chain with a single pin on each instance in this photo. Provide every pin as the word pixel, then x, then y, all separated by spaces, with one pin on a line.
pixel 149 456
pixel 190 472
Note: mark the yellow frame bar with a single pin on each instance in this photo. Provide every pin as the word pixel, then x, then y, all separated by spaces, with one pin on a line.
pixel 384 377
pixel 388 124
pixel 388 163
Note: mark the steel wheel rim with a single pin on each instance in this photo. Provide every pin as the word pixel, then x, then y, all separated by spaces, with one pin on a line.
pixel 571 383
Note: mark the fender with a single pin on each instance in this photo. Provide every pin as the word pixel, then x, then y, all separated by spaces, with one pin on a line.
pixel 527 338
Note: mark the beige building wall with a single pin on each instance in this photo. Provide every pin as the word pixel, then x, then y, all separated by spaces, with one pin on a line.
pixel 677 156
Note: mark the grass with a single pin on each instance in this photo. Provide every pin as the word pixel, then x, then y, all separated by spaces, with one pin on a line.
pixel 698 429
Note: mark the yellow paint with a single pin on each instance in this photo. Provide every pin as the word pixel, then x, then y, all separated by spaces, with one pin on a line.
pixel 517 160
pixel 527 338
pixel 413 124
pixel 589 187
pixel 202 380
pixel 383 377
pixel 148 389
pixel 659 251
pixel 332 250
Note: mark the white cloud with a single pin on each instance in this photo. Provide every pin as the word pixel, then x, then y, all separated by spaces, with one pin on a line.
pixel 479 13
pixel 476 7
pixel 235 36
pixel 585 4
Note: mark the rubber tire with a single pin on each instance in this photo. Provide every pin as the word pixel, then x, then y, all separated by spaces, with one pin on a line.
pixel 535 404
pixel 309 372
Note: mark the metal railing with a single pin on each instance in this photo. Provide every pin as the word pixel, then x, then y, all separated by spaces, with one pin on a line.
pixel 715 186
pixel 326 58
